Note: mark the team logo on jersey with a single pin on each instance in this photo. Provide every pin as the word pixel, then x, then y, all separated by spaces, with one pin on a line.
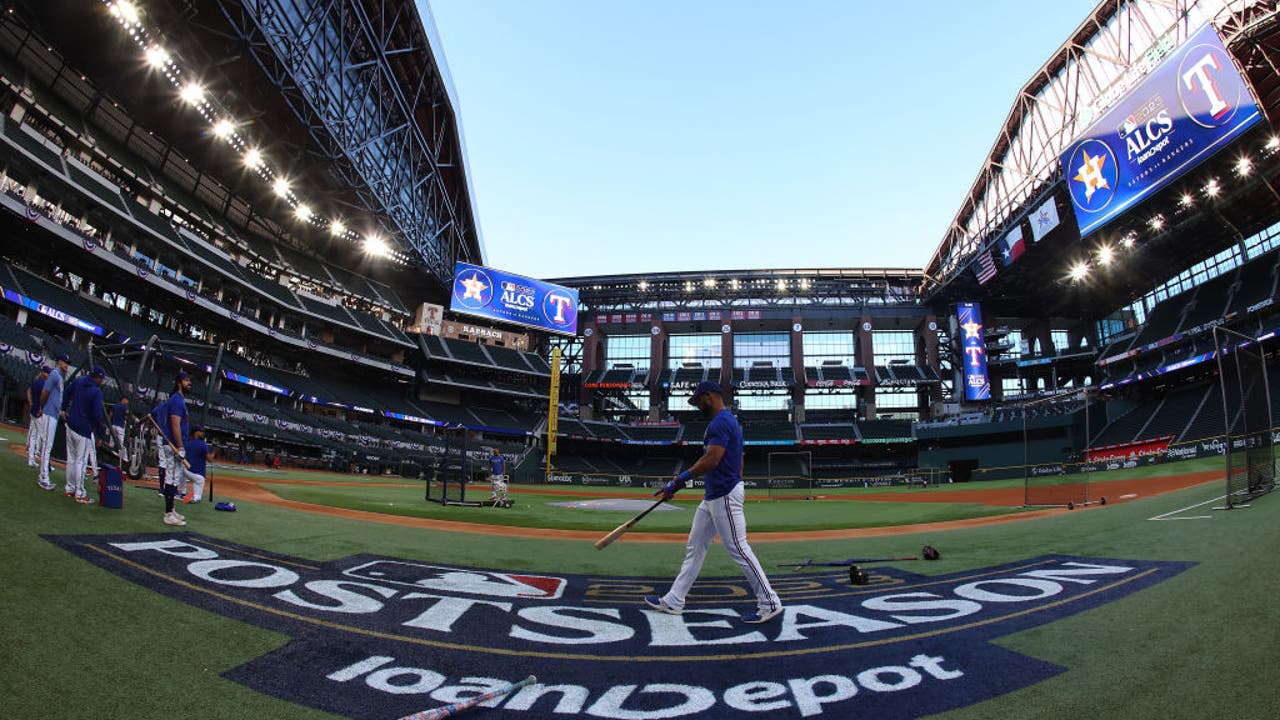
pixel 1093 175
pixel 375 637
pixel 473 289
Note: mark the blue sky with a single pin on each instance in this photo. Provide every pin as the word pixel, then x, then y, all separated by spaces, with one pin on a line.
pixel 607 137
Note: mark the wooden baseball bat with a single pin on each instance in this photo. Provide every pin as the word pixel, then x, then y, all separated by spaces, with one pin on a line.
pixel 462 705
pixel 622 529
pixel 164 437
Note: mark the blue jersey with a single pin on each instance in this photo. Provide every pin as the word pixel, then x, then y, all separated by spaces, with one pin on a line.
pixel 53 405
pixel 197 454
pixel 118 413
pixel 84 406
pixel 497 465
pixel 175 405
pixel 33 394
pixel 724 431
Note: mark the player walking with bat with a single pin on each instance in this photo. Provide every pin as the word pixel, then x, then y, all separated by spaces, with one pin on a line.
pixel 720 511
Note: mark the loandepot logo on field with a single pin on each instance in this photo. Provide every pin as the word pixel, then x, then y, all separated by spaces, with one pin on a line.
pixel 378 638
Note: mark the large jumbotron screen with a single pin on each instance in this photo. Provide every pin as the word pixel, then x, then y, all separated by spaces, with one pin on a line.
pixel 499 295
pixel 1189 107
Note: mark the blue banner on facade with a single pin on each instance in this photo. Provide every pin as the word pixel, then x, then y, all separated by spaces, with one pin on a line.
pixel 511 298
pixel 973 348
pixel 1189 107
pixel 52 312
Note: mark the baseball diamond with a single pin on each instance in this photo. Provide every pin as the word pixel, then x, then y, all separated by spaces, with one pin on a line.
pixel 773 387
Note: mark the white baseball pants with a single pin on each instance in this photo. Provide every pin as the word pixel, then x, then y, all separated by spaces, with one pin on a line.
pixel 722 516
pixel 197 485
pixel 35 435
pixel 49 427
pixel 78 447
pixel 117 431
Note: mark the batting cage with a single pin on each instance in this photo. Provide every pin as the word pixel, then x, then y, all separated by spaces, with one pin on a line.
pixel 1246 403
pixel 790 474
pixel 450 469
pixel 1055 451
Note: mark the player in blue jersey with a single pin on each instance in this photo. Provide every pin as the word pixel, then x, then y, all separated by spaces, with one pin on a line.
pixel 50 412
pixel 35 424
pixel 170 417
pixel 83 403
pixel 198 454
pixel 719 513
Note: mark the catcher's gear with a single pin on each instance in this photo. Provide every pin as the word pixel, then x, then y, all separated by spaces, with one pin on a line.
pixel 930 553
pixel 858 576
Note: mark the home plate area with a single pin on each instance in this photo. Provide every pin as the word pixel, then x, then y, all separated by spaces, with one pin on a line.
pixel 614 504
pixel 382 638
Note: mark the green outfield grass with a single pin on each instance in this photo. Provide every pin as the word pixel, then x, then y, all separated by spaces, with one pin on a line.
pixel 83 643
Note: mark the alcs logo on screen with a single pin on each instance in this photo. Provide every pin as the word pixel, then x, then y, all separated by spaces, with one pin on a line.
pixel 1093 175
pixel 560 309
pixel 517 297
pixel 473 289
pixel 1203 97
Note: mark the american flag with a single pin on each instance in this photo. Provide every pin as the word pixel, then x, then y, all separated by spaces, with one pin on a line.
pixel 984 268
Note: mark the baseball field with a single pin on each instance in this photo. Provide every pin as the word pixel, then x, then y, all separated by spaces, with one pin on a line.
pixel 341 596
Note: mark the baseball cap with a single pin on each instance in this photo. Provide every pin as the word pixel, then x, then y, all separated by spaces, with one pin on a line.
pixel 196 428
pixel 63 358
pixel 182 375
pixel 46 369
pixel 97 372
pixel 706 386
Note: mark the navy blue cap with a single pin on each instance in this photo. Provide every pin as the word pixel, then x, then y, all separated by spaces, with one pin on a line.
pixel 46 369
pixel 706 386
pixel 97 372
pixel 63 358
pixel 182 375
pixel 195 429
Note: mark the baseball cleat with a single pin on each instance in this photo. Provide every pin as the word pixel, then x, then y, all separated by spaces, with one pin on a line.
pixel 85 500
pixel 173 519
pixel 762 616
pixel 660 605
pixel 45 485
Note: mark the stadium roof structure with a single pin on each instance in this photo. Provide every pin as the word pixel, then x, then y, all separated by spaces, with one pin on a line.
pixel 1108 54
pixel 350 101
pixel 741 288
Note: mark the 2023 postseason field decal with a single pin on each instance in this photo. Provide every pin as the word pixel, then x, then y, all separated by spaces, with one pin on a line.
pixel 380 638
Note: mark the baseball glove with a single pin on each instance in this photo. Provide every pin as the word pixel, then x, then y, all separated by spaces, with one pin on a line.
pixel 858 576
pixel 930 552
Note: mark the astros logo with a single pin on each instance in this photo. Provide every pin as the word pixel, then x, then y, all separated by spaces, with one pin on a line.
pixel 1205 100
pixel 559 309
pixel 473 288
pixel 1093 175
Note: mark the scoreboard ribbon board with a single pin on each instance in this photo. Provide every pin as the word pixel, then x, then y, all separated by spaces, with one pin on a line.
pixel 499 295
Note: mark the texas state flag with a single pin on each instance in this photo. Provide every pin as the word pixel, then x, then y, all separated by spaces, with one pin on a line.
pixel 1012 246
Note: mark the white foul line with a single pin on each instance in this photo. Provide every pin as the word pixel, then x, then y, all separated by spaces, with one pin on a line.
pixel 1165 516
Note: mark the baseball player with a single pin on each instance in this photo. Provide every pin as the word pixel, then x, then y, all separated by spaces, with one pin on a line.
pixel 120 412
pixel 198 453
pixel 50 409
pixel 719 513
pixel 34 423
pixel 171 417
pixel 83 405
pixel 497 476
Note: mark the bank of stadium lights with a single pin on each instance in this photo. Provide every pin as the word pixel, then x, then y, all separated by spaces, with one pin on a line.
pixel 1211 188
pixel 1106 254
pixel 643 285
pixel 1156 223
pixel 376 246
pixel 1244 166
pixel 130 16
pixel 709 283
pixel 1079 271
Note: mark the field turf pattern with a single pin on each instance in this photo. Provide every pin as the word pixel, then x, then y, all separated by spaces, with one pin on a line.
pixel 82 643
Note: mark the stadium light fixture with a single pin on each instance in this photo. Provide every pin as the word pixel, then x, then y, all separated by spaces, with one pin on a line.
pixel 127 12
pixel 709 283
pixel 1243 166
pixel 1273 142
pixel 1079 271
pixel 1211 188
pixel 1130 239
pixel 157 57
pixel 643 286
pixel 224 129
pixel 1105 255
pixel 192 94
pixel 735 284
pixel 303 212
pixel 1156 222
pixel 376 246
pixel 337 228
pixel 1187 200
pixel 281 187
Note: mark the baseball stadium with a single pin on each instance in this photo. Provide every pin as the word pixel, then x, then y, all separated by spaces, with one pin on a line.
pixel 298 446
